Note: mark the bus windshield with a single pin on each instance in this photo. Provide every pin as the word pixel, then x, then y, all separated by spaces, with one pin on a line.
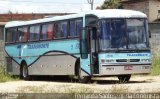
pixel 123 34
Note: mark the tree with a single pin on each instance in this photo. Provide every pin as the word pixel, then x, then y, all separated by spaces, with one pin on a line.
pixel 110 4
pixel 10 12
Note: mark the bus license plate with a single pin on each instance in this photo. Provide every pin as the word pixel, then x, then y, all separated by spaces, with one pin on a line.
pixel 128 67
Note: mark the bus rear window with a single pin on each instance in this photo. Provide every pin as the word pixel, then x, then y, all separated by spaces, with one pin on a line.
pixel 11 35
pixel 22 34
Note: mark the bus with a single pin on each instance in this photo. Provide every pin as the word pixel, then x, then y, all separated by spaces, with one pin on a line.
pixel 98 43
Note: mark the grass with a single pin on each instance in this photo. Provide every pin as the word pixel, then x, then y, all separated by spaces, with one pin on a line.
pixel 73 90
pixel 155 69
pixel 4 77
pixel 56 89
pixel 31 89
pixel 119 89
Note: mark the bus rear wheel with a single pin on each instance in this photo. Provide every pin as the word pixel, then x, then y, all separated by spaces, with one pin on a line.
pixel 24 72
pixel 124 78
pixel 82 79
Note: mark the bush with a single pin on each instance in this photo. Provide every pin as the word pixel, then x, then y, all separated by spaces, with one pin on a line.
pixel 4 76
pixel 155 69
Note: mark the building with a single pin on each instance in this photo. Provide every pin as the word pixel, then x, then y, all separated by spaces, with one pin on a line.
pixel 4 18
pixel 2 30
pixel 150 7
pixel 1 44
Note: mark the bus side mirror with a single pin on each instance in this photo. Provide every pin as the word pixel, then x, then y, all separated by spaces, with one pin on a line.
pixel 149 33
pixel 98 32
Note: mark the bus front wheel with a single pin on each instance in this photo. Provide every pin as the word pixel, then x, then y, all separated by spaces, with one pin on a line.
pixel 124 78
pixel 82 79
pixel 24 72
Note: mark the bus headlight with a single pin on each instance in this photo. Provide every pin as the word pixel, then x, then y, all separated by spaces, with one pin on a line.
pixel 102 60
pixel 109 60
pixel 145 60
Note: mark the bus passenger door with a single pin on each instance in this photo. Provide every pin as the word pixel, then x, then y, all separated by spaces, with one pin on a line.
pixel 84 53
pixel 89 53
pixel 92 31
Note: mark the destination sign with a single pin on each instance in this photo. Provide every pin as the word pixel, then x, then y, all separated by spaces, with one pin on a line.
pixel 38 46
pixel 139 54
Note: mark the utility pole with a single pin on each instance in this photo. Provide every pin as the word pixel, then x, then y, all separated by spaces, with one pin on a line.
pixel 91 3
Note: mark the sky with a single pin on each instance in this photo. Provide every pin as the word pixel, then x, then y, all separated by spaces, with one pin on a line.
pixel 46 6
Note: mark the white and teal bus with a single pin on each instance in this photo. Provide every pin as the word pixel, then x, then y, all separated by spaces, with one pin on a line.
pixel 99 43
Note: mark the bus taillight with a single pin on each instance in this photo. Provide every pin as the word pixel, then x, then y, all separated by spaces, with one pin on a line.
pixel 102 60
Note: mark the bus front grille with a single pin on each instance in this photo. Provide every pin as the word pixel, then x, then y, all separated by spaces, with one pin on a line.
pixel 127 60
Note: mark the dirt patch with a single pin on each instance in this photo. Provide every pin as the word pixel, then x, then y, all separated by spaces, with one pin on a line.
pixel 142 84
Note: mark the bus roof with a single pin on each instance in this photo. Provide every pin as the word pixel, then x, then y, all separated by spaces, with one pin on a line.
pixel 109 13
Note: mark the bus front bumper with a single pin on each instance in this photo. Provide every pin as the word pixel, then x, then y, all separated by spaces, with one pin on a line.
pixel 124 69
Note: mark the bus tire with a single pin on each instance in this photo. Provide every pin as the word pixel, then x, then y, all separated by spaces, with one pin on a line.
pixel 124 78
pixel 24 72
pixel 82 79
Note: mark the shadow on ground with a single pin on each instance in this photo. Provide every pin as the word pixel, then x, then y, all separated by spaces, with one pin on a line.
pixel 66 79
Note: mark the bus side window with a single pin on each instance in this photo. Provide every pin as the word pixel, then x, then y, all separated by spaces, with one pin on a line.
pixel 64 29
pixel 31 35
pixel 14 33
pixel 34 33
pixel 72 28
pixel 57 28
pixel 25 31
pixel 37 32
pixel 61 30
pixel 54 31
pixel 44 32
pixel 78 27
pixel 20 35
pixel 11 35
pixel 47 30
pixel 50 31
pixel 8 35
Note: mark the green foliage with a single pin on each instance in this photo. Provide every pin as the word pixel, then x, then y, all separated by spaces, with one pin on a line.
pixel 155 69
pixel 111 4
pixel 10 12
pixel 119 89
pixel 5 77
